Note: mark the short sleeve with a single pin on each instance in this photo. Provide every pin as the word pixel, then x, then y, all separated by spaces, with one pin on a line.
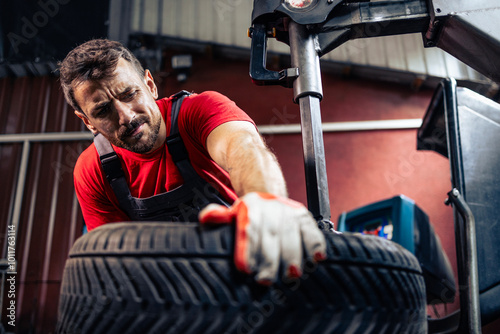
pixel 202 113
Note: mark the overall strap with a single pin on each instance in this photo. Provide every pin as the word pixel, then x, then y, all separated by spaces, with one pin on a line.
pixel 174 141
pixel 177 99
pixel 112 167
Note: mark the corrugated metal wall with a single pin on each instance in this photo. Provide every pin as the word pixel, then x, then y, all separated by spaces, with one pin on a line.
pixel 49 219
pixel 226 22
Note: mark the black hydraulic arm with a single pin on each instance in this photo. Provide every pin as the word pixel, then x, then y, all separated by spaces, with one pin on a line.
pixel 312 28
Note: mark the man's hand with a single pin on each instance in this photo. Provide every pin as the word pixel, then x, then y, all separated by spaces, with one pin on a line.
pixel 270 231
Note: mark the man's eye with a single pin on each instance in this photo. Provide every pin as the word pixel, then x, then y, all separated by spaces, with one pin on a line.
pixel 130 95
pixel 102 112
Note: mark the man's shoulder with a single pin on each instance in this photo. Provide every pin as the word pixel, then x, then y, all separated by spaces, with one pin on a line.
pixel 87 163
pixel 195 97
pixel 208 95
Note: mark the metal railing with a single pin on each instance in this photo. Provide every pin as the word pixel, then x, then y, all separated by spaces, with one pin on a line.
pixel 14 217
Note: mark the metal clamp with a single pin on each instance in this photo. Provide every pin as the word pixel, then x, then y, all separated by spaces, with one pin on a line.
pixel 258 72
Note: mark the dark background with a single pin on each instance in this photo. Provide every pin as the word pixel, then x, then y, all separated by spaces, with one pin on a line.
pixel 47 29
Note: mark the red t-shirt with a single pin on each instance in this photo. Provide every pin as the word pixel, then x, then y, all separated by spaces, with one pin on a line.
pixel 155 173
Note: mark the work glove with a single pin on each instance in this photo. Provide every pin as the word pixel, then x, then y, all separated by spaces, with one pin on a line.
pixel 270 231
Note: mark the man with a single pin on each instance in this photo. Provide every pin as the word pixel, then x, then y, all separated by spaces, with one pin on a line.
pixel 186 150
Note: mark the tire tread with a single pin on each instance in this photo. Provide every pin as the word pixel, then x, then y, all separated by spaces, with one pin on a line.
pixel 179 278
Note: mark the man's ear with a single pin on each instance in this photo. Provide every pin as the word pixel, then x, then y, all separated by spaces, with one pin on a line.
pixel 150 82
pixel 85 120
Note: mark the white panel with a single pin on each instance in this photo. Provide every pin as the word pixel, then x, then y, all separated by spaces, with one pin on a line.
pixel 455 67
pixel 436 65
pixel 150 18
pixel 474 75
pixel 224 22
pixel 224 9
pixel 376 52
pixel 206 16
pixel 413 45
pixel 394 52
pixel 338 54
pixel 115 26
pixel 188 22
pixel 169 18
pixel 356 51
pixel 243 20
pixel 136 15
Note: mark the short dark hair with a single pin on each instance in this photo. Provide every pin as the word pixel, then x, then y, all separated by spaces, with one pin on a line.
pixel 92 60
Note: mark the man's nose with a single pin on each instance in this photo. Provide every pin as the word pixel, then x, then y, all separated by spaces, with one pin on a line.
pixel 125 113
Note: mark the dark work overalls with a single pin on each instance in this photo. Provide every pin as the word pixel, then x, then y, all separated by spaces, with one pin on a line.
pixel 180 204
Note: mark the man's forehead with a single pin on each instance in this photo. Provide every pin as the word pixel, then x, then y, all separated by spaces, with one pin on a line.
pixel 119 82
pixel 123 71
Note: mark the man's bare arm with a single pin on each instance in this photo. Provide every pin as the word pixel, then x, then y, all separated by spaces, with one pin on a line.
pixel 272 231
pixel 239 149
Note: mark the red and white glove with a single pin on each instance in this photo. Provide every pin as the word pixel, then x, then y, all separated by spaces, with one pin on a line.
pixel 270 231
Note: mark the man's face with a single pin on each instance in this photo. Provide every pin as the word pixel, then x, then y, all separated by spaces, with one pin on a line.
pixel 123 109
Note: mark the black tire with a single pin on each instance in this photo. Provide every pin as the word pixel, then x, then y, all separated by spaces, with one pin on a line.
pixel 179 278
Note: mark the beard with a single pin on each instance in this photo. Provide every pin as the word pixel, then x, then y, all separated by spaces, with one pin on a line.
pixel 144 141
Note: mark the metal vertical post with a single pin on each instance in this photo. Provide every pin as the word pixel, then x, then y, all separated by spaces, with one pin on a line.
pixel 308 93
pixel 15 218
pixel 468 280
pixel 18 199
